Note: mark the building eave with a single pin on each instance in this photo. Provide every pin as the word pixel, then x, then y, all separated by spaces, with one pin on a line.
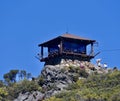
pixel 66 36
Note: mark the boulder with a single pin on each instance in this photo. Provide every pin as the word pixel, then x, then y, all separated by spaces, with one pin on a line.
pixel 34 96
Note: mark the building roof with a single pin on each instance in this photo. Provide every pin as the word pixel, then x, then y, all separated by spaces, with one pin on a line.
pixel 67 36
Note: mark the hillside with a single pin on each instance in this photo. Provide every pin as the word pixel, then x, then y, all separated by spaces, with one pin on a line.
pixel 100 87
pixel 67 81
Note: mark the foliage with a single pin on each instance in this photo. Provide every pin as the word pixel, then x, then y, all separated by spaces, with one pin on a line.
pixel 41 80
pixel 24 75
pixel 28 86
pixel 13 87
pixel 10 76
pixel 100 87
pixel 53 98
pixel 23 87
pixel 95 87
pixel 3 93
pixel 78 70
pixel 1 83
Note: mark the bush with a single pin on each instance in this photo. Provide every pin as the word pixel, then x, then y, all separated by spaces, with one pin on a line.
pixel 102 87
pixel 22 87
pixel 53 99
pixel 26 86
pixel 83 73
pixel 80 71
pixel 41 80
pixel 75 77
pixel 3 93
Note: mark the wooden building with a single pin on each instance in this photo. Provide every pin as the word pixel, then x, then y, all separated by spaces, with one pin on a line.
pixel 66 46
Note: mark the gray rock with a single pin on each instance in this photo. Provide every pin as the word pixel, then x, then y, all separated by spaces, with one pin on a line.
pixel 22 97
pixel 61 86
pixel 35 96
pixel 56 78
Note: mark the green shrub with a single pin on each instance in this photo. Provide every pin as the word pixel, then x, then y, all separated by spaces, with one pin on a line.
pixel 100 87
pixel 80 71
pixel 53 98
pixel 75 77
pixel 27 86
pixel 83 73
pixel 3 93
pixel 22 87
pixel 41 80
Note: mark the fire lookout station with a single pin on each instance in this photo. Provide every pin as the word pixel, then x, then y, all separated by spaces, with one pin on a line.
pixel 66 46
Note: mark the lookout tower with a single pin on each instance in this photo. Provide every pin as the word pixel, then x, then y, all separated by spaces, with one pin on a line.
pixel 66 46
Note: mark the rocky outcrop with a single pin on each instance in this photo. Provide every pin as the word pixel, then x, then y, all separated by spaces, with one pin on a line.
pixel 55 78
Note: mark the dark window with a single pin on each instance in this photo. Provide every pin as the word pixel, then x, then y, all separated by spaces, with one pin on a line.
pixel 53 49
pixel 74 47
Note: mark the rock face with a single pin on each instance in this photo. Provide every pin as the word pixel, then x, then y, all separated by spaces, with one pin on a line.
pixel 55 78
pixel 34 96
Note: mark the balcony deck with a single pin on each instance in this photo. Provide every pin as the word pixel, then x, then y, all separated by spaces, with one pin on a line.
pixel 65 54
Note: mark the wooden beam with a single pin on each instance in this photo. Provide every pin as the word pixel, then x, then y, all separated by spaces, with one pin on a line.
pixel 41 51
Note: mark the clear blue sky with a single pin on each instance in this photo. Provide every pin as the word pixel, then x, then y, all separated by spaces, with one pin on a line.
pixel 26 23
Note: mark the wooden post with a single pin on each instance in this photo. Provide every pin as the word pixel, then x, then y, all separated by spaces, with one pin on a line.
pixel 48 51
pixel 41 51
pixel 92 49
pixel 61 46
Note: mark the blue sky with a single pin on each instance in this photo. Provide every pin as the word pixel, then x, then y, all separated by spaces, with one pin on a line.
pixel 26 23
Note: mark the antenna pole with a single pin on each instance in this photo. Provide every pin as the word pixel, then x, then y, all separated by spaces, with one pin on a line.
pixel 67 30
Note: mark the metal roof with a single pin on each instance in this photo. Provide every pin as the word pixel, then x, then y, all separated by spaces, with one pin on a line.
pixel 68 36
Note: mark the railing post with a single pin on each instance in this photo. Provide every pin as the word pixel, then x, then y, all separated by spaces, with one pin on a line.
pixel 41 51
